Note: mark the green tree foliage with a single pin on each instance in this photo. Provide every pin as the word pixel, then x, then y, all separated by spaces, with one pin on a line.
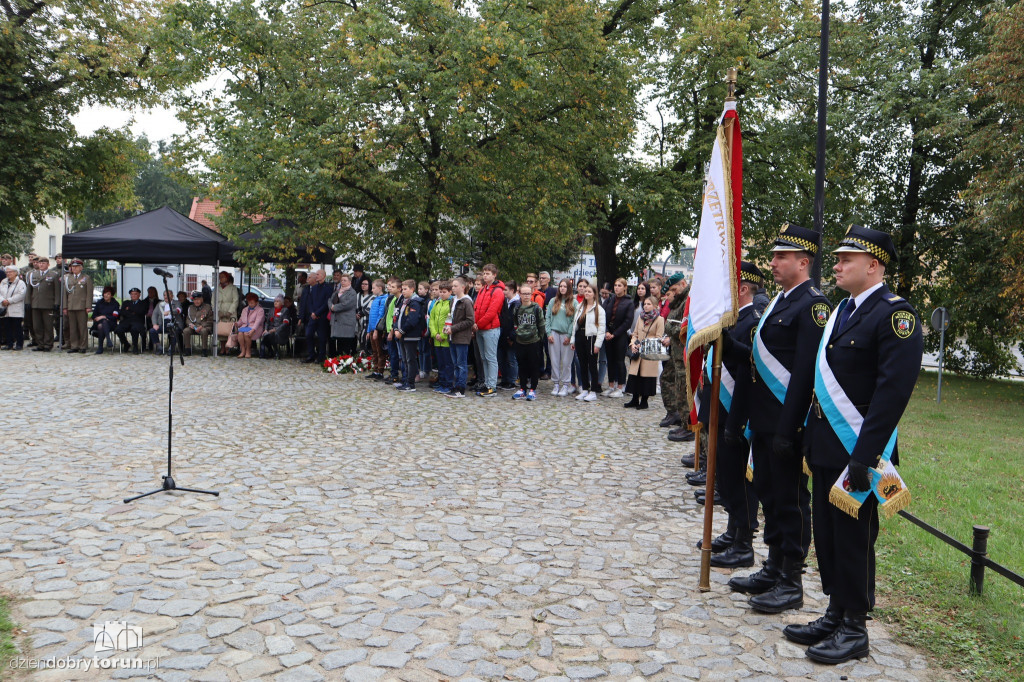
pixel 398 130
pixel 54 57
pixel 157 182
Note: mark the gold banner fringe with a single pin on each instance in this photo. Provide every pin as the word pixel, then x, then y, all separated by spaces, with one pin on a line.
pixel 844 502
pixel 750 474
pixel 896 503
pixel 807 469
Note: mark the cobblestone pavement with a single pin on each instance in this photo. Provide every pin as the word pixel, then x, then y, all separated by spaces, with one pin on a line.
pixel 365 534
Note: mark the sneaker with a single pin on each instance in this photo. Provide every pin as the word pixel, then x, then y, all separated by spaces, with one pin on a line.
pixel 487 393
pixel 590 397
pixel 563 391
pixel 579 389
pixel 519 395
pixel 455 394
pixel 507 386
pixel 556 389
pixel 442 389
pixel 532 395
pixel 582 395
pixel 407 388
pixel 617 393
pixel 607 392
pixel 399 385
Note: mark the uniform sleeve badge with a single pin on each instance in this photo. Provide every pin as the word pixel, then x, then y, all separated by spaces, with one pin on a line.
pixel 903 323
pixel 819 313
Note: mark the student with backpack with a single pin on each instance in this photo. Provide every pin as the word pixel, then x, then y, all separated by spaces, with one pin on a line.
pixel 530 333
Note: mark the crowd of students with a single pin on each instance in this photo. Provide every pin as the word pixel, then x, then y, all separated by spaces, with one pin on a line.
pixel 484 335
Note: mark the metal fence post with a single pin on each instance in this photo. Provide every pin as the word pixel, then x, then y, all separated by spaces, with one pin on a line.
pixel 979 550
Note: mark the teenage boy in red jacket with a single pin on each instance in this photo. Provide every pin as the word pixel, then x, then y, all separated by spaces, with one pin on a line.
pixel 488 326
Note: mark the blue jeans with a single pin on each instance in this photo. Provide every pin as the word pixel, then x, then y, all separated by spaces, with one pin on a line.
pixel 410 362
pixel 425 347
pixel 488 341
pixel 602 364
pixel 395 354
pixel 444 367
pixel 508 365
pixel 460 365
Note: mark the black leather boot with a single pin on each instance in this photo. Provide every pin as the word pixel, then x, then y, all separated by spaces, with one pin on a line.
pixel 699 496
pixel 722 541
pixel 850 640
pixel 687 460
pixel 681 434
pixel 672 419
pixel 760 581
pixel 816 630
pixel 788 592
pixel 699 478
pixel 739 554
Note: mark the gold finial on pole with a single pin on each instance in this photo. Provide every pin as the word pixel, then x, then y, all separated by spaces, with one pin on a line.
pixel 730 80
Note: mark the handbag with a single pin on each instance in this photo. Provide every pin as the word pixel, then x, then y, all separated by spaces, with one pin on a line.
pixel 225 328
pixel 232 341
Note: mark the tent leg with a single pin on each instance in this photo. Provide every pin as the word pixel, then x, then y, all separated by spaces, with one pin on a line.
pixel 216 320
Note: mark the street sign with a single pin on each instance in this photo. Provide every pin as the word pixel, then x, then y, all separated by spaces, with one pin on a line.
pixel 940 321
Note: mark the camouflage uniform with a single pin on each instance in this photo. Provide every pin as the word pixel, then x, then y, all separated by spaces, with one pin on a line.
pixel 673 372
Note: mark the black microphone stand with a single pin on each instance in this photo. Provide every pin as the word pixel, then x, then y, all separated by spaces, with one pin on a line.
pixel 169 483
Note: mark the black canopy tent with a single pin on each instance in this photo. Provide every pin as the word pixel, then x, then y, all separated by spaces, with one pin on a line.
pixel 165 236
pixel 159 236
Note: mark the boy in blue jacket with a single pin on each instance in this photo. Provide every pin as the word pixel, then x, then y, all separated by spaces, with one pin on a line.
pixel 376 339
pixel 409 329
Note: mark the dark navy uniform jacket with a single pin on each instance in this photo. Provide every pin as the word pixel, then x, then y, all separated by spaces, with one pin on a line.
pixel 876 358
pixel 791 334
pixel 135 313
pixel 739 367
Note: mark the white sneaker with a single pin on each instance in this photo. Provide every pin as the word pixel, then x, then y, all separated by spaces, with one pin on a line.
pixel 607 392
pixel 555 390
pixel 563 391
pixel 582 395
pixel 579 389
pixel 590 397
pixel 617 393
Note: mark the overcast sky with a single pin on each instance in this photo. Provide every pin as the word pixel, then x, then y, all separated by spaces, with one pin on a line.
pixel 156 124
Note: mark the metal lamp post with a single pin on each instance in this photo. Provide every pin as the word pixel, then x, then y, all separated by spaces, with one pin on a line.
pixel 819 163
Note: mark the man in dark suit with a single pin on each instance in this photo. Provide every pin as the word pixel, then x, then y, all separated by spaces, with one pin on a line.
pixel 784 345
pixel 315 303
pixel 133 319
pixel 865 374
pixel 734 548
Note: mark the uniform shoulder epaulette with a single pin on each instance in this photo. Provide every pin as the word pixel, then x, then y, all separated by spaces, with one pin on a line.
pixel 757 314
pixel 815 292
pixel 894 299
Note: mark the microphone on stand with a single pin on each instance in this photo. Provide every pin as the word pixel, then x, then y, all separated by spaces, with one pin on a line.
pixel 163 273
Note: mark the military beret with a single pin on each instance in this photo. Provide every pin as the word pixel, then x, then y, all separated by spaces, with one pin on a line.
pixel 196 294
pixel 795 238
pixel 865 240
pixel 674 279
pixel 135 290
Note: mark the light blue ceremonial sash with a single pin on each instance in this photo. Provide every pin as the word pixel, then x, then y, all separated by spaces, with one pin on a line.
pixel 772 372
pixel 847 421
pixel 728 383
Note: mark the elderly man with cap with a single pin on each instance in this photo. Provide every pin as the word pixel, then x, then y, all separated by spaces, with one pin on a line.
pixel 77 304
pixel 783 348
pixel 198 320
pixel 43 284
pixel 865 371
pixel 357 277
pixel 12 307
pixel 133 319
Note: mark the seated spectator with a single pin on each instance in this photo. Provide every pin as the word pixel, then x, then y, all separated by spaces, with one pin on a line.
pixel 162 320
pixel 104 318
pixel 132 320
pixel 276 329
pixel 250 324
pixel 12 299
pixel 152 303
pixel 198 320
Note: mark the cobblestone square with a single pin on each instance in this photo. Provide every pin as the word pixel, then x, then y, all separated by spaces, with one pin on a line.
pixel 366 534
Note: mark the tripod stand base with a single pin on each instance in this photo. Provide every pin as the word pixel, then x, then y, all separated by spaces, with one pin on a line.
pixel 168 485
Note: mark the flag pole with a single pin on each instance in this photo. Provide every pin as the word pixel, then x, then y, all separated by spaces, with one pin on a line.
pixel 704 584
pixel 709 491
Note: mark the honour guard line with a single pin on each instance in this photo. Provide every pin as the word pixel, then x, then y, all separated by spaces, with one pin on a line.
pixel 799 393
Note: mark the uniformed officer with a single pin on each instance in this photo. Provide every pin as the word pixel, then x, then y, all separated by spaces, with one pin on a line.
pixel 734 548
pixel 42 283
pixel 198 320
pixel 782 356
pixel 133 319
pixel 668 374
pixel 676 379
pixel 868 365
pixel 31 267
pixel 78 303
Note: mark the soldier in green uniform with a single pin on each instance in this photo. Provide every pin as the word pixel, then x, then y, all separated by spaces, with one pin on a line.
pixel 77 304
pixel 31 267
pixel 675 327
pixel 43 283
pixel 669 395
